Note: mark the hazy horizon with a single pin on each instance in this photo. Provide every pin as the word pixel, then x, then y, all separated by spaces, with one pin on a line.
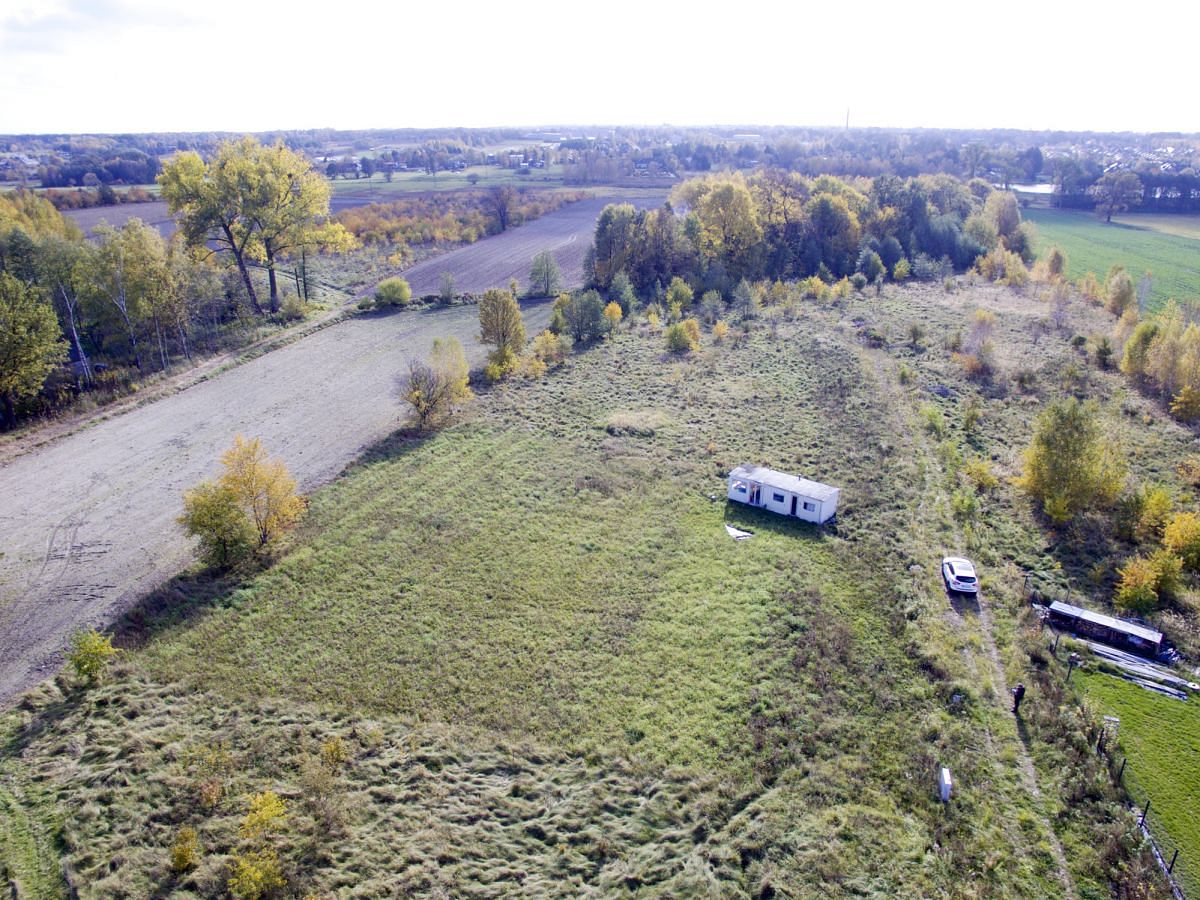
pixel 135 66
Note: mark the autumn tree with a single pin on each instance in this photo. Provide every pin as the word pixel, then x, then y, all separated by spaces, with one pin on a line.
pixel 256 203
pixel 1114 192
pixel 433 389
pixel 249 506
pixel 545 279
pixel 1070 467
pixel 30 343
pixel 501 201
pixel 501 326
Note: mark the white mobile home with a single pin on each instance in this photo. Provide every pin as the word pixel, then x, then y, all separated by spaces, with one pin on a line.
pixel 788 495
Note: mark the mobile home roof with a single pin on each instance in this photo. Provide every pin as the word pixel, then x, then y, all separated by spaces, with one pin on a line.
pixel 785 482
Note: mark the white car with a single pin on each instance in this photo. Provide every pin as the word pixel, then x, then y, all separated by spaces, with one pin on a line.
pixel 960 575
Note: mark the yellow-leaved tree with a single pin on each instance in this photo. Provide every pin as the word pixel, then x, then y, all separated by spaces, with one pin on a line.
pixel 247 508
pixel 1069 466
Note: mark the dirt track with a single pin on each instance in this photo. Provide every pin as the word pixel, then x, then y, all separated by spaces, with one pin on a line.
pixel 494 262
pixel 89 521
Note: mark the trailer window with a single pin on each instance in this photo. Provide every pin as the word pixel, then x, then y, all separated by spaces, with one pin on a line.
pixel 740 487
pixel 778 498
pixel 810 507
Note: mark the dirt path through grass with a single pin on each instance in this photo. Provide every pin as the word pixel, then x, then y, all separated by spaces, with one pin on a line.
pixel 928 513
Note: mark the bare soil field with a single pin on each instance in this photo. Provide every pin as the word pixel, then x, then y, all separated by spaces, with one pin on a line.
pixel 151 213
pixel 89 521
pixel 496 261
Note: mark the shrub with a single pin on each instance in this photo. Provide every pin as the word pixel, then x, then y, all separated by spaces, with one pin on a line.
pixel 932 419
pixel 258 489
pixel 1181 536
pixel 446 288
pixel 434 389
pixel 1120 294
pixel 265 816
pixel 679 293
pixel 683 336
pixel 292 309
pixel 979 473
pixel 902 270
pixel 964 505
pixel 719 331
pixel 1069 465
pixel 550 348
pixel 1003 266
pixel 1089 287
pixel 91 654
pixel 213 514
pixel 531 368
pixel 841 290
pixel 653 316
pixel 1136 591
pixel 859 281
pixel 711 306
pixel 1154 509
pixel 612 312
pixel 584 317
pixel 926 268
pixel 393 292
pixel 255 874
pixel 334 753
pixel 185 850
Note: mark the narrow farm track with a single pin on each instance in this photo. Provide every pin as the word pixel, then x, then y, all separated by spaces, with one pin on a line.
pixel 977 623
pixel 89 520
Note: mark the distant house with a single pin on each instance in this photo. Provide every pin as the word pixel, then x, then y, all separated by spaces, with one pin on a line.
pixel 787 495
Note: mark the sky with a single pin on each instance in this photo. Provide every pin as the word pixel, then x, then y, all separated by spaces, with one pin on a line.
pixel 109 66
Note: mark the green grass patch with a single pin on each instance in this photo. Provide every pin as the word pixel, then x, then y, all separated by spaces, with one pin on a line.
pixel 557 674
pixel 1091 245
pixel 1161 737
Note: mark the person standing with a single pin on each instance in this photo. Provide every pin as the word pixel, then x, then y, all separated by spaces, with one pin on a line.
pixel 1018 694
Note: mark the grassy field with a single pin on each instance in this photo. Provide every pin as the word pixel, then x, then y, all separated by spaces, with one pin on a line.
pixel 554 673
pixel 1186 226
pixel 1170 253
pixel 1161 737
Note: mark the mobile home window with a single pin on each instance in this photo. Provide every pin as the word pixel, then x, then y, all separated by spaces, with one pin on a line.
pixel 778 498
pixel 740 487
pixel 809 507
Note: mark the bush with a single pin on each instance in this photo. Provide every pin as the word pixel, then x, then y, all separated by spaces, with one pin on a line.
pixel 584 317
pixel 902 270
pixel 90 655
pixel 1144 580
pixel 859 280
pixel 434 389
pixel 265 816
pixel 932 419
pixel 683 337
pixel 213 514
pixel 612 312
pixel 393 292
pixel 255 874
pixel 292 309
pixel 185 850
pixel 1136 591
pixel 1069 465
pixel 679 293
pixel 979 473
pixel 550 348
pixel 1120 294
pixel 1181 536
pixel 719 331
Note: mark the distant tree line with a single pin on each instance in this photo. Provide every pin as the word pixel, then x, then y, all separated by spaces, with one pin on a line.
pixel 721 229
pixel 125 167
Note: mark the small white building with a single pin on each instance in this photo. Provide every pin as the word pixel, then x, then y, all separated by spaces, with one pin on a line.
pixel 787 495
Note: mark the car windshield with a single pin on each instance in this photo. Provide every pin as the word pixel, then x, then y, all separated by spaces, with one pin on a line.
pixel 965 577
